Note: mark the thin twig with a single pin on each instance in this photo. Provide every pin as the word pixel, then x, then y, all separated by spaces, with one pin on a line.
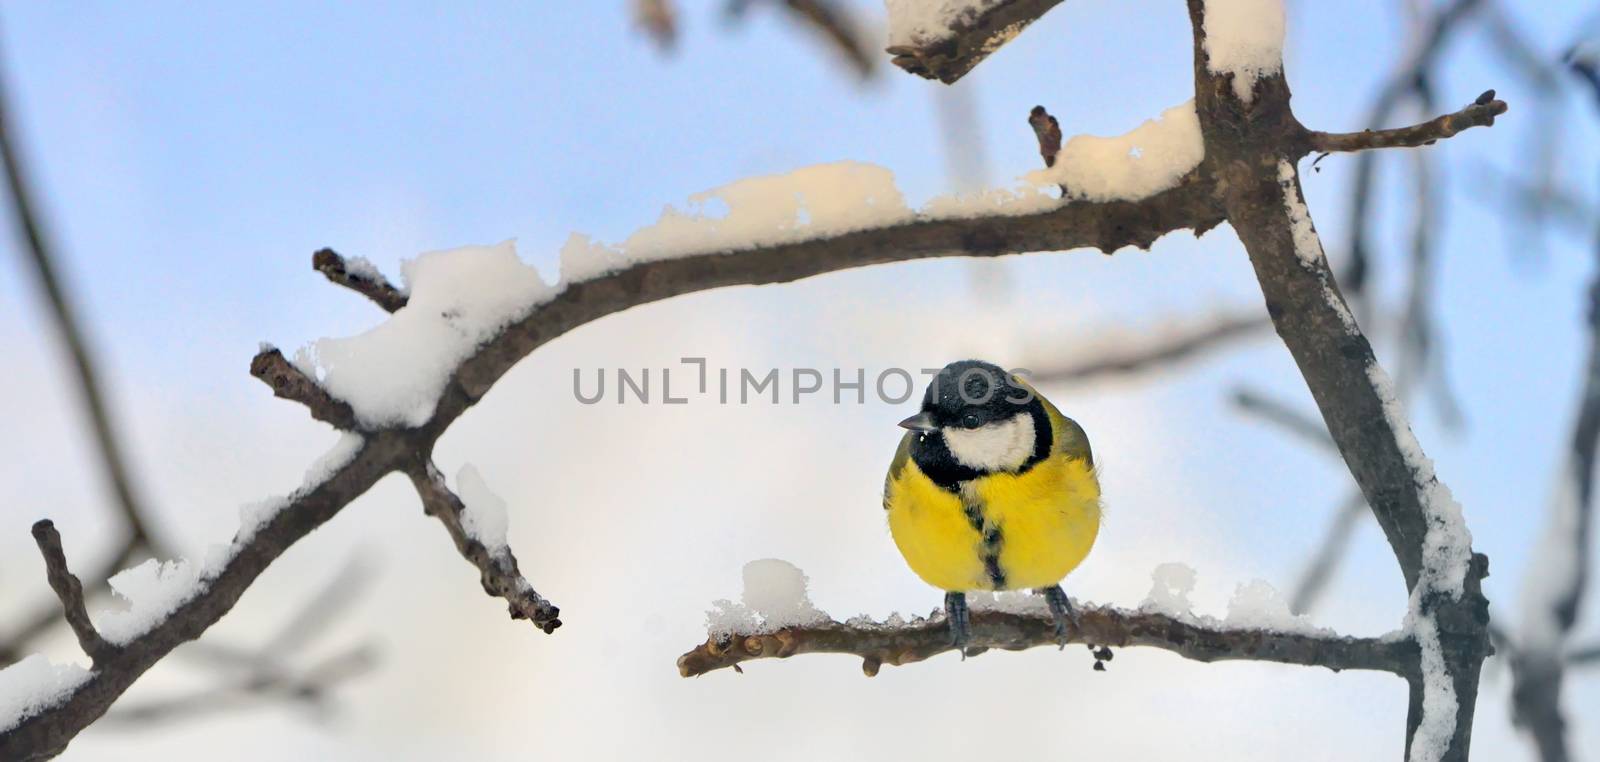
pixel 659 19
pixel 41 257
pixel 497 569
pixel 309 685
pixel 1426 47
pixel 1048 130
pixel 366 280
pixel 69 591
pixel 1177 340
pixel 48 614
pixel 1480 114
pixel 289 383
pixel 1290 420
pixel 833 20
pixel 1330 552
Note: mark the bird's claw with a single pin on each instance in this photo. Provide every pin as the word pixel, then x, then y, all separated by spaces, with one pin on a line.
pixel 960 621
pixel 1062 613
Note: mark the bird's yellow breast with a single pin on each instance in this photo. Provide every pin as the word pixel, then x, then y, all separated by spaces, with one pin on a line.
pixel 1039 525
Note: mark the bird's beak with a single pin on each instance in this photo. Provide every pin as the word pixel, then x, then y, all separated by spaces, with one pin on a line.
pixel 922 422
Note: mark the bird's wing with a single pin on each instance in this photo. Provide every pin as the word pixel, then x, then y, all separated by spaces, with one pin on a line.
pixel 902 456
pixel 1070 438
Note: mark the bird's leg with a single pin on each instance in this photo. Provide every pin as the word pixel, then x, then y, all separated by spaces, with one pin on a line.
pixel 1061 611
pixel 960 620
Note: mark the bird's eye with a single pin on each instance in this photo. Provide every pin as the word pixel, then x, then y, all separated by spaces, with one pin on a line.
pixel 971 421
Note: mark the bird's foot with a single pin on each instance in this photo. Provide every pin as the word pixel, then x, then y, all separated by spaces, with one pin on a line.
pixel 1062 612
pixel 960 621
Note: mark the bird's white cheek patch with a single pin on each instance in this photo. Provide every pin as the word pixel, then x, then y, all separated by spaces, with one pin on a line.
pixel 999 446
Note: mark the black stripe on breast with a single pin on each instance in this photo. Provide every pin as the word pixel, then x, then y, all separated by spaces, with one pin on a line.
pixel 992 539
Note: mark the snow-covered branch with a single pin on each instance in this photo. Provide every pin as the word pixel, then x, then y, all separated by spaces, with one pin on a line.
pixel 62 701
pixel 897 644
pixel 469 315
pixel 1247 125
pixel 944 39
pixel 776 619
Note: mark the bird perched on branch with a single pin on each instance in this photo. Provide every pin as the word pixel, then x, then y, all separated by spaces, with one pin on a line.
pixel 992 489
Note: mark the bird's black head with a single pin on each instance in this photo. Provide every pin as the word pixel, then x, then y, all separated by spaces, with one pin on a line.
pixel 977 419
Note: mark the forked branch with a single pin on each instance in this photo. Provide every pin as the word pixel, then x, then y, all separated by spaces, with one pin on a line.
pixel 1237 180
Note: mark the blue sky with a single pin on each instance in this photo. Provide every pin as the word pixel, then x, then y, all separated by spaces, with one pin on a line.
pixel 191 156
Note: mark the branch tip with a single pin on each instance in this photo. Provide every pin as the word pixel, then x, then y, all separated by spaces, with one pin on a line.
pixel 1481 113
pixel 288 382
pixel 363 280
pixel 69 590
pixel 497 568
pixel 1048 130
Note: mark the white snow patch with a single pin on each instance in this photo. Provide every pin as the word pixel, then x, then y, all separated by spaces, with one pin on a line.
pixel 1438 723
pixel 254 516
pixel 1244 38
pixel 1307 245
pixel 362 267
pixel 1258 605
pixel 33 685
pixel 917 22
pixel 1446 558
pixel 393 374
pixel 1447 546
pixel 1022 199
pixel 1147 160
pixel 1171 584
pixel 583 258
pixel 1255 605
pixel 337 457
pixel 1018 602
pixel 152 591
pixel 483 514
pixel 811 202
pixel 774 597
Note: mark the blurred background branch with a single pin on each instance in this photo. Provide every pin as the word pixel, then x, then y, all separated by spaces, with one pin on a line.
pixel 267 676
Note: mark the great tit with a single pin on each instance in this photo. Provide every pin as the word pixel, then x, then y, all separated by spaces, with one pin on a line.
pixel 992 488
